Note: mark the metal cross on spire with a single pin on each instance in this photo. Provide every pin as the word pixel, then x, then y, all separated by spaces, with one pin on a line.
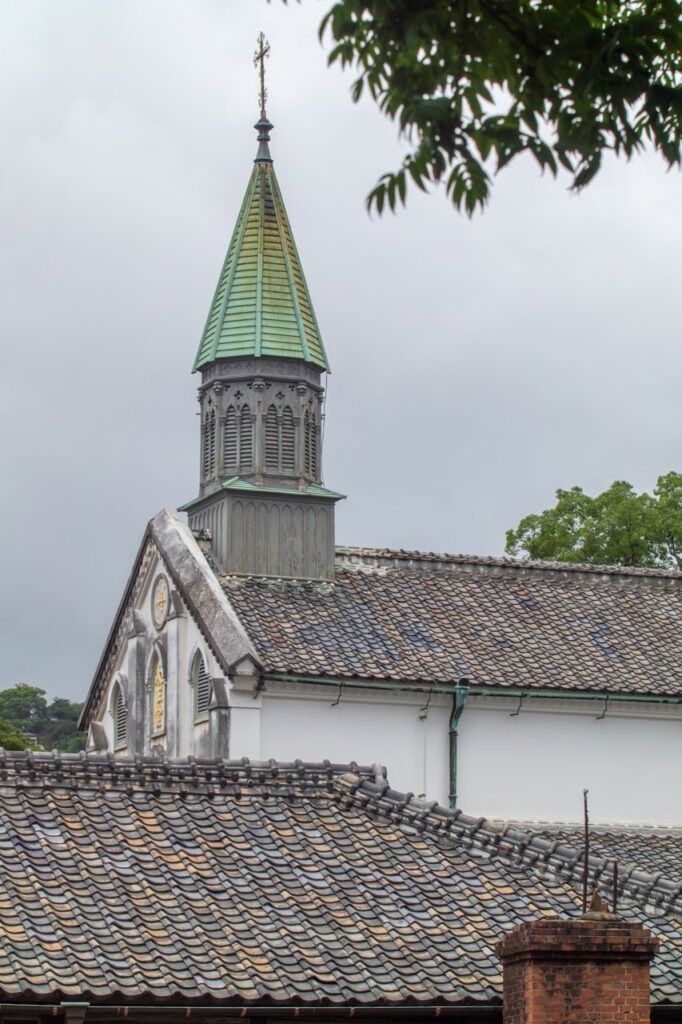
pixel 259 56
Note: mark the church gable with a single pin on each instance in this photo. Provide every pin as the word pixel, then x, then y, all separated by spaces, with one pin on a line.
pixel 160 685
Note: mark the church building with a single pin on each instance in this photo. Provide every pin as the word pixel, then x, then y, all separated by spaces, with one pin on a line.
pixel 257 832
pixel 496 685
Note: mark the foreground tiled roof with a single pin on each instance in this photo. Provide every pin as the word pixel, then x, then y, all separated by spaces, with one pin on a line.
pixel 435 619
pixel 217 882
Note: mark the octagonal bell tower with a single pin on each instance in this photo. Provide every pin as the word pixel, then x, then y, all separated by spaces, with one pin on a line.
pixel 261 360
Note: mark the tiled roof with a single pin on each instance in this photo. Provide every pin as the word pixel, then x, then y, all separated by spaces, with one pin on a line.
pixel 261 305
pixel 500 623
pixel 178 882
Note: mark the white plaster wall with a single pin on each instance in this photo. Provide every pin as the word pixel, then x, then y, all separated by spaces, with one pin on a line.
pixel 366 729
pixel 537 763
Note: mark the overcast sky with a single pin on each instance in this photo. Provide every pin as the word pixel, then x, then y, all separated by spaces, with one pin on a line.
pixel 476 365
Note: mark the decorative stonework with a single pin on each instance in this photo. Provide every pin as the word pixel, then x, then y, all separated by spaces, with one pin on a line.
pixel 106 668
pixel 243 369
pixel 160 601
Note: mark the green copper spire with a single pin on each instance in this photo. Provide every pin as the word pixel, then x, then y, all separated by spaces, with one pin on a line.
pixel 261 306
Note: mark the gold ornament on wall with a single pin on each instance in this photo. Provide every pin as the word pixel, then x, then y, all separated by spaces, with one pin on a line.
pixel 160 601
pixel 159 699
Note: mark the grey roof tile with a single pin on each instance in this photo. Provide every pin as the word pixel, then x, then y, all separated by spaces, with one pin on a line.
pixel 504 624
pixel 277 890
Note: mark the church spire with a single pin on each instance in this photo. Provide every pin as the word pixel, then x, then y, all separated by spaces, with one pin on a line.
pixel 262 305
pixel 261 358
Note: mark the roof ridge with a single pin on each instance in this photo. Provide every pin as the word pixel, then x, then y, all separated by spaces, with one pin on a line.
pixel 382 557
pixel 615 828
pixel 163 774
pixel 515 846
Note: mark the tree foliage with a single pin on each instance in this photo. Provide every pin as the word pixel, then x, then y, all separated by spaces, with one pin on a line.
pixel 12 738
pixel 473 83
pixel 617 527
pixel 24 710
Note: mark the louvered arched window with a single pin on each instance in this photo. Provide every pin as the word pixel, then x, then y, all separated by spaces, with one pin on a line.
pixel 230 439
pixel 120 715
pixel 207 445
pixel 245 438
pixel 271 440
pixel 288 441
pixel 310 445
pixel 201 685
pixel 211 443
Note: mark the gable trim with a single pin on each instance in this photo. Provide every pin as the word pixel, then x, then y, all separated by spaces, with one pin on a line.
pixel 199 590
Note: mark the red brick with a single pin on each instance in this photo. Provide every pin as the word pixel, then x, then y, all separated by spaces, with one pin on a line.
pixel 590 970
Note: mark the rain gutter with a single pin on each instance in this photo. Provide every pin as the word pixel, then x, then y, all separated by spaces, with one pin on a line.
pixel 360 684
pixel 503 691
pixel 78 1012
pixel 473 691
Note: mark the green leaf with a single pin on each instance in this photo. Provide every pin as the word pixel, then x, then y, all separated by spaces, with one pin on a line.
pixel 565 82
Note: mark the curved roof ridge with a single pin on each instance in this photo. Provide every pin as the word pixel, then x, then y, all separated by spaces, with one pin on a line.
pixel 515 846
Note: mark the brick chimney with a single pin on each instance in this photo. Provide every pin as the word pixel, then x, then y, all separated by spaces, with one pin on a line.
pixel 588 970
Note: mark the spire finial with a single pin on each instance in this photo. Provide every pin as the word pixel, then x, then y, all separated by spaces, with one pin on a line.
pixel 262 126
pixel 259 56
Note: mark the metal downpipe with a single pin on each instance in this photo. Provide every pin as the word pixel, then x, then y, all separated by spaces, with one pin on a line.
pixel 459 699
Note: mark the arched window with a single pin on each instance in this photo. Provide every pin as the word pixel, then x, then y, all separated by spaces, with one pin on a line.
pixel 207 445
pixel 310 445
pixel 288 441
pixel 201 685
pixel 271 440
pixel 211 451
pixel 119 712
pixel 230 439
pixel 245 438
pixel 157 684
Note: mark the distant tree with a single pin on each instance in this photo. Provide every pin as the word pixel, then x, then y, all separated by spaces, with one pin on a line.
pixel 22 704
pixel 476 80
pixel 54 725
pixel 59 730
pixel 617 527
pixel 13 739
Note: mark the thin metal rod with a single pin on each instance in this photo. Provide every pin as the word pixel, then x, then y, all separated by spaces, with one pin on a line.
pixel 615 885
